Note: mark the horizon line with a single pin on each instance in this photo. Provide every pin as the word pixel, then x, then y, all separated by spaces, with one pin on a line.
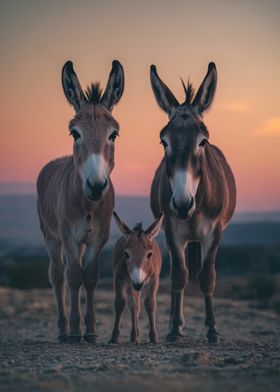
pixel 25 188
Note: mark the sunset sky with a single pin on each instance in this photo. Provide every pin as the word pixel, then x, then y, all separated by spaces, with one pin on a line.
pixel 180 37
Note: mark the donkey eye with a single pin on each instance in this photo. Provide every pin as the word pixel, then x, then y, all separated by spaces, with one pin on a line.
pixel 75 134
pixel 163 142
pixel 113 136
pixel 203 143
pixel 126 254
pixel 149 255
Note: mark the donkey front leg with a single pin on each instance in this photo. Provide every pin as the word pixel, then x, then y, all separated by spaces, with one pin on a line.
pixel 120 302
pixel 56 277
pixel 151 306
pixel 74 273
pixel 179 278
pixel 207 280
pixel 134 305
pixel 90 279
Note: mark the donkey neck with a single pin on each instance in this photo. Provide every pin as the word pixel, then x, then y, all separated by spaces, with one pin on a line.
pixel 210 194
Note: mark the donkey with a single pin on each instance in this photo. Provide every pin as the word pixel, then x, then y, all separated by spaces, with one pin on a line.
pixel 76 198
pixel 195 188
pixel 136 266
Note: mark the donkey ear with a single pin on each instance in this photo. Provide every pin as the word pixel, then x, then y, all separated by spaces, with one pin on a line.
pixel 155 227
pixel 115 86
pixel 71 86
pixel 125 230
pixel 206 91
pixel 164 96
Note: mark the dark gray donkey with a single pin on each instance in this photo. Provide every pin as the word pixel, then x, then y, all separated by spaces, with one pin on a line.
pixel 76 198
pixel 195 188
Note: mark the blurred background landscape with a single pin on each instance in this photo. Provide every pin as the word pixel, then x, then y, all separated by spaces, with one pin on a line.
pixel 248 261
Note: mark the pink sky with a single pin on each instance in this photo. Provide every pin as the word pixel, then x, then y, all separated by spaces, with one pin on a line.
pixel 180 38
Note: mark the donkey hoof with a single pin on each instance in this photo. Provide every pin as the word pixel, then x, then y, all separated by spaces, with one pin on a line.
pixel 114 340
pixel 174 337
pixel 154 340
pixel 72 339
pixel 135 341
pixel 63 338
pixel 90 338
pixel 213 337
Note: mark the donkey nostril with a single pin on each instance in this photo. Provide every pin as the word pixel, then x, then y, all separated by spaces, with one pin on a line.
pixel 182 210
pixel 137 286
pixel 89 184
pixel 97 187
pixel 174 203
pixel 105 184
pixel 96 191
pixel 190 204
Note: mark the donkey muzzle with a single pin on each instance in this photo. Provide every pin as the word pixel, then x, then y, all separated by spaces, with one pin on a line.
pixel 96 191
pixel 183 210
pixel 137 286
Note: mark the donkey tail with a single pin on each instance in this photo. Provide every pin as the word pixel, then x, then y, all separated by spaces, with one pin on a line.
pixel 194 260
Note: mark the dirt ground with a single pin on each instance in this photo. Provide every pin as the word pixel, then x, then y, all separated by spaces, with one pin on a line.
pixel 247 359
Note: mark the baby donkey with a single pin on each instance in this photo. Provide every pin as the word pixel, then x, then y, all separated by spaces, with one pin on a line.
pixel 136 265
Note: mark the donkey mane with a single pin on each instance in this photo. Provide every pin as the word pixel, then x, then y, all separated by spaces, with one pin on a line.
pixel 189 92
pixel 138 227
pixel 93 93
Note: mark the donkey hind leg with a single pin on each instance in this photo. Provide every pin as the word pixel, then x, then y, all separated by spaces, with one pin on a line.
pixel 179 278
pixel 74 273
pixel 56 277
pixel 207 280
pixel 151 305
pixel 120 302
pixel 134 306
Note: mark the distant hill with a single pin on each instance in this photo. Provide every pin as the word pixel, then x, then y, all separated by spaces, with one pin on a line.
pixel 257 216
pixel 17 188
pixel 19 226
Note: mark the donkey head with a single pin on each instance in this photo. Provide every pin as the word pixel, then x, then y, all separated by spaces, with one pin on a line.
pixel 93 128
pixel 185 138
pixel 138 249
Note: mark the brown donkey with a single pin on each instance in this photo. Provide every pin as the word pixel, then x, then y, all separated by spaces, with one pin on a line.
pixel 195 188
pixel 136 265
pixel 76 198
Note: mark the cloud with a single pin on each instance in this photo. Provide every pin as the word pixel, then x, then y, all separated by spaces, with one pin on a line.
pixel 270 127
pixel 236 107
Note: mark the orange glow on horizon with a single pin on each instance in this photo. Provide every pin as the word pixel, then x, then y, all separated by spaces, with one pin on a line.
pixel 244 120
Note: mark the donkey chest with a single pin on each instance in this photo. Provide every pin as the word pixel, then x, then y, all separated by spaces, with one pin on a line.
pixel 85 229
pixel 197 229
pixel 204 226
